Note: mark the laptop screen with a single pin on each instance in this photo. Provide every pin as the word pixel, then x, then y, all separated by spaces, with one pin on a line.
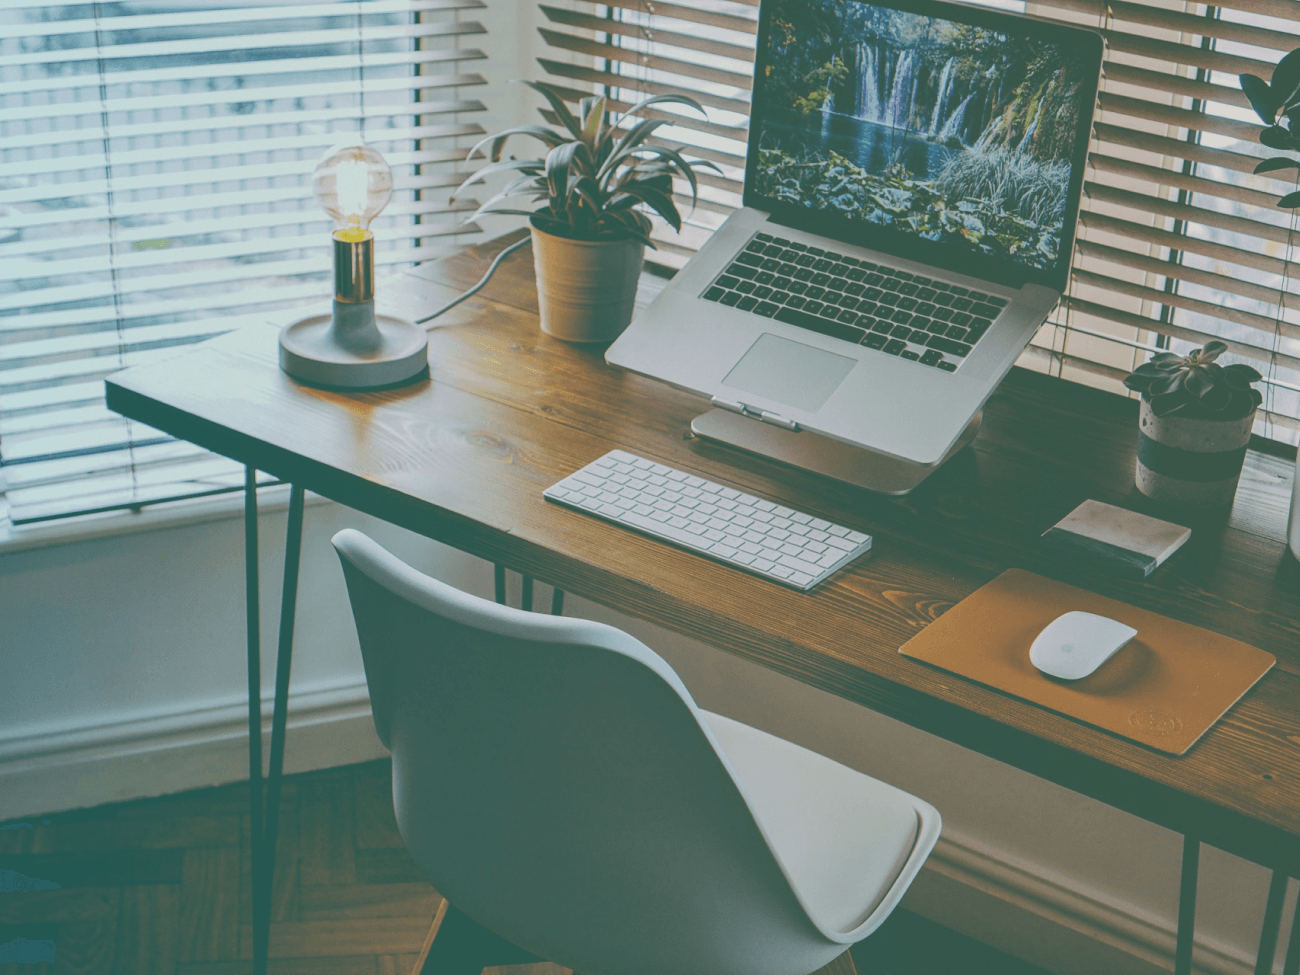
pixel 951 135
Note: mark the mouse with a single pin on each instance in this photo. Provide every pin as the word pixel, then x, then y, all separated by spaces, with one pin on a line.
pixel 1074 645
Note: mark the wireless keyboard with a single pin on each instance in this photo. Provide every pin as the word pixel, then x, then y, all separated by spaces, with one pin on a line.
pixel 750 533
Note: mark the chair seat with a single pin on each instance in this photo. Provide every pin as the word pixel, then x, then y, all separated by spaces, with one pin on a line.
pixel 842 837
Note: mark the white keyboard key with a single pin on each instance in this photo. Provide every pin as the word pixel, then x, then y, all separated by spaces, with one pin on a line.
pixel 739 529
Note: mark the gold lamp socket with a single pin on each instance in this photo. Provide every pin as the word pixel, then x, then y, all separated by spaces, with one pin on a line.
pixel 354 265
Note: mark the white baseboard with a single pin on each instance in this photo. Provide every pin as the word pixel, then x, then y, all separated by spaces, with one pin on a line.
pixel 1048 924
pixel 1020 912
pixel 82 767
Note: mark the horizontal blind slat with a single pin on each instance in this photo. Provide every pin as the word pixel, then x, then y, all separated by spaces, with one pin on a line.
pixel 222 45
pixel 1262 358
pixel 201 17
pixel 239 69
pixel 709 45
pixel 1176 300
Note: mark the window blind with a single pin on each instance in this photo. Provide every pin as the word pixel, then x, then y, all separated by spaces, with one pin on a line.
pixel 155 191
pixel 1178 242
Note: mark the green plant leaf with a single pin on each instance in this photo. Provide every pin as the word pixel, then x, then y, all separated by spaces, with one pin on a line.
pixel 1168 403
pixel 1166 384
pixel 1289 201
pixel 561 108
pixel 541 133
pixel 1285 83
pixel 1140 382
pixel 511 211
pixel 662 203
pixel 1197 382
pixel 1262 98
pixel 1212 350
pixel 593 115
pixel 1275 137
pixel 663 100
pixel 1240 373
pixel 530 166
pixel 1216 398
pixel 628 141
pixel 675 162
pixel 1276 163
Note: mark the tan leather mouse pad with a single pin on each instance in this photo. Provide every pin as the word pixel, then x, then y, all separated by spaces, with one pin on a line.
pixel 1164 689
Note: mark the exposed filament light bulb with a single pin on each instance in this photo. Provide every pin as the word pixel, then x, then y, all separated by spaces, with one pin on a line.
pixel 353 183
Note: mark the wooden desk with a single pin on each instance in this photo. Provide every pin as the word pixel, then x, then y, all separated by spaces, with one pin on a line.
pixel 464 458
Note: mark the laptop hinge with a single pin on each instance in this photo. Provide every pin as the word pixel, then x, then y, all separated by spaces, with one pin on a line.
pixel 763 416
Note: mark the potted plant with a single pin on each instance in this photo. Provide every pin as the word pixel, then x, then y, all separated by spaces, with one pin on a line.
pixel 596 181
pixel 1195 422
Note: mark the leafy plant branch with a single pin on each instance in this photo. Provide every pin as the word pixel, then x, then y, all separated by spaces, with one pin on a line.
pixel 598 178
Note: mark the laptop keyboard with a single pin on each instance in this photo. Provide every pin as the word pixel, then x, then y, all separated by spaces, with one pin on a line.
pixel 908 315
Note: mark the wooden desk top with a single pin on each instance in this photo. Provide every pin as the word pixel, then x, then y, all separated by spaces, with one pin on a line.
pixel 508 411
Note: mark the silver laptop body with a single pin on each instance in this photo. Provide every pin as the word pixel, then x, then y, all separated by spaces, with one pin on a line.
pixel 912 407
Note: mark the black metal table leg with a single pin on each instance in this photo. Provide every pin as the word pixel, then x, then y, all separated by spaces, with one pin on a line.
pixel 1272 922
pixel 263 829
pixel 1187 906
pixel 1292 964
pixel 253 613
pixel 525 591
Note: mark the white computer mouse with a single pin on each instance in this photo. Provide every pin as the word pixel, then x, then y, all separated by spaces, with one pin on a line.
pixel 1074 645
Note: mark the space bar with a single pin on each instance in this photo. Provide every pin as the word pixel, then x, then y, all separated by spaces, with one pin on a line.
pixel 792 316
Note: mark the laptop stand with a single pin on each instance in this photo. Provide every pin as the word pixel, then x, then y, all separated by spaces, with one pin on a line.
pixel 810 451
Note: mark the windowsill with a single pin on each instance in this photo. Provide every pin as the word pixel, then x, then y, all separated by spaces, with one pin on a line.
pixel 170 514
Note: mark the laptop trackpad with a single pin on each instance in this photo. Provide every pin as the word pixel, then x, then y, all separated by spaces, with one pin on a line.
pixel 789 372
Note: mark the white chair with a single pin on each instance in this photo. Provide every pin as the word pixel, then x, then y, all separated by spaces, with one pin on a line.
pixel 555 781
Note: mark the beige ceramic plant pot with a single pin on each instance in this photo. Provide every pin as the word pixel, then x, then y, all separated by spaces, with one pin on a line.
pixel 1190 461
pixel 586 289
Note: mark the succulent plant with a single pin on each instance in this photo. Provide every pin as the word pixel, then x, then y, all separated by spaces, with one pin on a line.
pixel 596 176
pixel 1280 97
pixel 1196 385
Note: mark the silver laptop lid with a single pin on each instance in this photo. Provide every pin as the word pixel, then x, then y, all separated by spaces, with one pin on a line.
pixel 869 120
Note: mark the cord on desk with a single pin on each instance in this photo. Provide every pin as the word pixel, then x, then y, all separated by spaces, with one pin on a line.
pixel 487 275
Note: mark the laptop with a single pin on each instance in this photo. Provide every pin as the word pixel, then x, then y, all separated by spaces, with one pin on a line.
pixel 912 186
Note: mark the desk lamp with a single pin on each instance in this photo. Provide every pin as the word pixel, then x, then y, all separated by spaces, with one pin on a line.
pixel 353 347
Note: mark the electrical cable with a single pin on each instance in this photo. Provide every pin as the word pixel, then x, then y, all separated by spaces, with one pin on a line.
pixel 487 275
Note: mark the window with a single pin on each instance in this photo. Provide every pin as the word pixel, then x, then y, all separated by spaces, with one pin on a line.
pixel 1177 242
pixel 155 165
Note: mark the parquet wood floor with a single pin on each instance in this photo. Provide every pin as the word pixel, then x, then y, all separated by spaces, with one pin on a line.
pixel 160 887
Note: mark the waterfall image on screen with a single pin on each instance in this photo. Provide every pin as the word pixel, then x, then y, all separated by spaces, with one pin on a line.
pixel 946 131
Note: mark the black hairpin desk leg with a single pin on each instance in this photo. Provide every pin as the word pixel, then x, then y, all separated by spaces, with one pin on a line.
pixel 1187 906
pixel 263 829
pixel 1292 964
pixel 1272 922
pixel 525 591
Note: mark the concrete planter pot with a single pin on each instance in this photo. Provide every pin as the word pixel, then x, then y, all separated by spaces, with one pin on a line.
pixel 1189 460
pixel 586 289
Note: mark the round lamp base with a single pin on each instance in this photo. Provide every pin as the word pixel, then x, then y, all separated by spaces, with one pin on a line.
pixel 309 351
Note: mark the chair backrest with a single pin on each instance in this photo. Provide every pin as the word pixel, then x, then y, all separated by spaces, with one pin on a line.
pixel 553 779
